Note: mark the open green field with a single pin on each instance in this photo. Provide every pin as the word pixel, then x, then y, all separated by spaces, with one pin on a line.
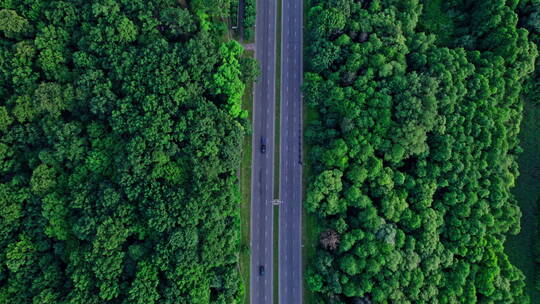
pixel 245 188
pixel 522 247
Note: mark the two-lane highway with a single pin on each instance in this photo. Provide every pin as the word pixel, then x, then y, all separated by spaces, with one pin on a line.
pixel 290 211
pixel 262 174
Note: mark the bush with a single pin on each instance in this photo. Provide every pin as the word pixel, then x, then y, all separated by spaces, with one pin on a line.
pixel 250 12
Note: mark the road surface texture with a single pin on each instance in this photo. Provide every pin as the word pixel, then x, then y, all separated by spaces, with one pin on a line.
pixel 290 210
pixel 262 175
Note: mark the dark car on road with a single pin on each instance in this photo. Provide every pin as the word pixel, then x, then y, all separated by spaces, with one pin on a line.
pixel 261 270
pixel 263 145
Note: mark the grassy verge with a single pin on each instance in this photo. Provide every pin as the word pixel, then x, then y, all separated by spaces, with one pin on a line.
pixel 245 188
pixel 277 151
pixel 278 100
pixel 522 248
pixel 276 255
pixel 310 225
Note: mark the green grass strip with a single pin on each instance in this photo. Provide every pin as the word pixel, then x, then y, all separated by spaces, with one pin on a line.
pixel 276 254
pixel 277 162
pixel 311 228
pixel 245 189
pixel 278 101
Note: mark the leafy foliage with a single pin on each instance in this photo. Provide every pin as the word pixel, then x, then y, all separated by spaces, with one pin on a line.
pixel 249 19
pixel 120 130
pixel 414 150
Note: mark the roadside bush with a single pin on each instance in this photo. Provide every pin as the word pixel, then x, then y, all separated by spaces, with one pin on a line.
pixel 250 12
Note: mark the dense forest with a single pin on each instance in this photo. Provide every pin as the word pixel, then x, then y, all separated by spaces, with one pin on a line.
pixel 416 109
pixel 120 133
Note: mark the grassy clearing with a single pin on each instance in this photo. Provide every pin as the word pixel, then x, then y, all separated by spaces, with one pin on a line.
pixel 522 247
pixel 245 188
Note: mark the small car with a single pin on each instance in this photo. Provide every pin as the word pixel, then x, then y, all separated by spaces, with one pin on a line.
pixel 261 270
pixel 263 145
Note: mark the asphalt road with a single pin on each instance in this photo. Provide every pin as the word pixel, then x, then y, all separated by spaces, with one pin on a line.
pixel 290 211
pixel 262 175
